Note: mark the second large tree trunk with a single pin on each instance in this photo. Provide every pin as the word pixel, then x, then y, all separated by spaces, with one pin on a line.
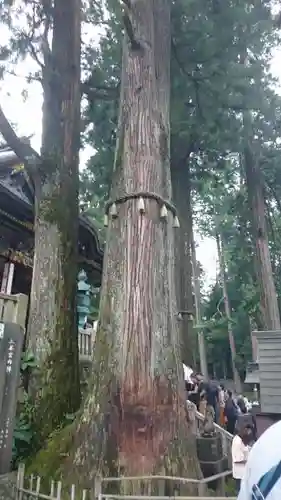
pixel 52 331
pixel 134 420
pixel 183 274
pixel 269 303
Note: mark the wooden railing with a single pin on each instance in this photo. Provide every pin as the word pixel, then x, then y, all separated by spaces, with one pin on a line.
pixel 30 487
pixel 13 309
pixel 86 341
pixel 225 435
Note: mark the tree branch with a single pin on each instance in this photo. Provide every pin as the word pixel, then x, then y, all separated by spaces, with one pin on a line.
pixel 100 92
pixel 128 25
pixel 22 149
pixel 47 9
pixel 178 61
pixel 30 38
pixel 34 54
pixel 28 78
pixel 238 108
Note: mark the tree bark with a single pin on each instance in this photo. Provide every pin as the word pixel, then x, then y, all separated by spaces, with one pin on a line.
pixel 183 266
pixel 52 329
pixel 269 304
pixel 220 250
pixel 134 420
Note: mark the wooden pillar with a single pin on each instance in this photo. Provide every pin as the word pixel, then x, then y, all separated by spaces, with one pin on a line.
pixel 255 354
pixel 7 278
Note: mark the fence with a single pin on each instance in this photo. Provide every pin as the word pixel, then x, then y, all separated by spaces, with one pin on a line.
pixel 13 309
pixel 30 488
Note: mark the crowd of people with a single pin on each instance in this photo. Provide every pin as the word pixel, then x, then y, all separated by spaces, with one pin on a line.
pixel 256 463
pixel 227 409
pixel 232 413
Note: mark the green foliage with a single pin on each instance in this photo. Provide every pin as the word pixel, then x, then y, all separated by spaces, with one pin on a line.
pixel 48 462
pixel 27 437
pixel 211 87
pixel 28 362
pixel 24 432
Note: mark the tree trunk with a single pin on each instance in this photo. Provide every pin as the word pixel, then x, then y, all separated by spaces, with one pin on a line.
pixel 134 420
pixel 220 250
pixel 269 303
pixel 52 330
pixel 183 266
pixel 197 295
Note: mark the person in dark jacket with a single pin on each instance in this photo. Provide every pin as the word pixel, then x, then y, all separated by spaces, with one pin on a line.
pixel 246 419
pixel 230 413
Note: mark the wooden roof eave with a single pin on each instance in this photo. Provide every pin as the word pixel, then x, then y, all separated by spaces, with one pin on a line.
pixel 9 159
pixel 85 222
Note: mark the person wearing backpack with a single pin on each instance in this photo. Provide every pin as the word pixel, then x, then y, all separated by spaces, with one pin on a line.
pixel 231 413
pixel 246 418
pixel 262 474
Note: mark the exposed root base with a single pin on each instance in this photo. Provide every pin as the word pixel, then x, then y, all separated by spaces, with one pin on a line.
pixel 57 461
pixel 124 431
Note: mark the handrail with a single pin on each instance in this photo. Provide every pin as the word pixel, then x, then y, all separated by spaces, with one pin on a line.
pixel 204 480
pixel 8 297
pixel 225 435
pixel 158 497
pixel 220 429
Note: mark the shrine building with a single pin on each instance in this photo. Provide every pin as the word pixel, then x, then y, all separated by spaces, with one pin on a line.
pixel 17 231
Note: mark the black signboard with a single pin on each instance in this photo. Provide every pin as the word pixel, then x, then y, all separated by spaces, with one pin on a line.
pixel 11 341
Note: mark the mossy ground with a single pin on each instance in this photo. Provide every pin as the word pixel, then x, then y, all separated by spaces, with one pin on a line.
pixel 49 462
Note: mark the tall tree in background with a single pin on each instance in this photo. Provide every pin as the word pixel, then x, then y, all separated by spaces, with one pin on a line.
pixel 256 198
pixel 52 330
pixel 137 400
pixel 227 308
